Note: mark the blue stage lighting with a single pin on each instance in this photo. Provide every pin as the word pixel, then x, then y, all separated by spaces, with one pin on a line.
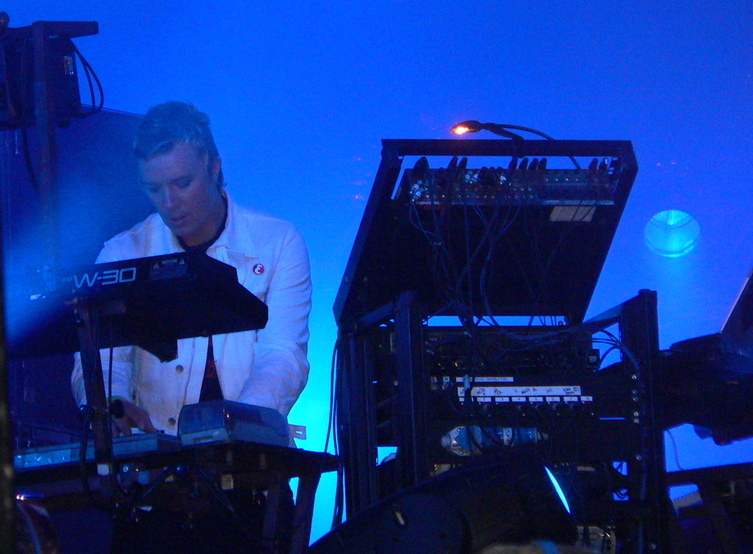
pixel 559 490
pixel 672 233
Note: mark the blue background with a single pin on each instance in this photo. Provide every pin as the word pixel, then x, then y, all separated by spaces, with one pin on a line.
pixel 301 93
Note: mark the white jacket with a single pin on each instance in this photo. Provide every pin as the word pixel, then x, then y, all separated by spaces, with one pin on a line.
pixel 266 367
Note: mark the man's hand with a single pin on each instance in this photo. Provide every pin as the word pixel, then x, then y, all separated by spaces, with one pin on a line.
pixel 131 417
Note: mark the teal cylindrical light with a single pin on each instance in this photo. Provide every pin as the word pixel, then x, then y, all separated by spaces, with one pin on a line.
pixel 672 233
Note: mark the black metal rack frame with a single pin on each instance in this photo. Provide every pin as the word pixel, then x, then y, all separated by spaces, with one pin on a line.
pixel 384 297
pixel 389 254
pixel 635 442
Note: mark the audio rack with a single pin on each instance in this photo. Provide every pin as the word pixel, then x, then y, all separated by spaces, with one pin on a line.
pixel 484 241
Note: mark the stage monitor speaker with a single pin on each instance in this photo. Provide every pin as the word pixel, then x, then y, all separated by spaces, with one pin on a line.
pixel 505 498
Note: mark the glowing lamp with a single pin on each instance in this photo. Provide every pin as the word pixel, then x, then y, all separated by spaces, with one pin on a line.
pixel 672 233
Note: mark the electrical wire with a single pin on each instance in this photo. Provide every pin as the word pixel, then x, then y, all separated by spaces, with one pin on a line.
pixel 333 428
pixel 24 119
pixel 90 75
pixel 32 529
pixel 504 128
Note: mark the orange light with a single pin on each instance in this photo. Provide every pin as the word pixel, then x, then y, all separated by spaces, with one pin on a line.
pixel 460 129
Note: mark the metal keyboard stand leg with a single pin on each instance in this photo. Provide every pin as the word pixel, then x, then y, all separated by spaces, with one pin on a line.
pixel 91 363
pixel 304 512
pixel 302 515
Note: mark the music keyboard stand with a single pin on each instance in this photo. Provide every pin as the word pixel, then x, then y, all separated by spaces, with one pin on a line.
pixel 236 465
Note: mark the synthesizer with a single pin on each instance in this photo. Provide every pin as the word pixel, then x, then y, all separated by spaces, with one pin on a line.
pixel 150 302
pixel 521 182
pixel 218 421
pixel 225 421
pixel 67 454
pixel 447 231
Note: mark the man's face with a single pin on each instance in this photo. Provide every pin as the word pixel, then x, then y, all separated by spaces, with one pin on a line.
pixel 183 188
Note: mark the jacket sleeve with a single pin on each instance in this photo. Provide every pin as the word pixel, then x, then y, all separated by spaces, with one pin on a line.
pixel 280 368
pixel 119 384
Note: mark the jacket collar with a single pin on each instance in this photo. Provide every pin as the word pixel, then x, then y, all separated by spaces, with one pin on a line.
pixel 235 239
